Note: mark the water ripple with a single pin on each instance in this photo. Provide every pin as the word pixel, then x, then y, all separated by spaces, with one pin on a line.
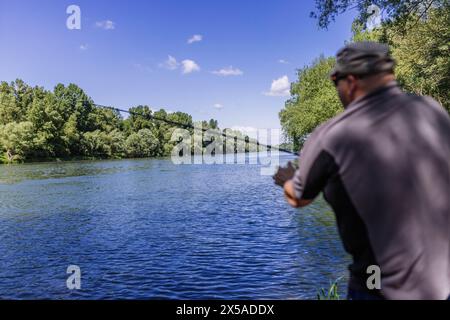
pixel 150 230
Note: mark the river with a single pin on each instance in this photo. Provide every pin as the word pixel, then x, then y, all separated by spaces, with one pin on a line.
pixel 149 229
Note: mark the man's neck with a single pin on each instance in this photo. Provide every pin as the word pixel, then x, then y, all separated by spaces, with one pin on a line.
pixel 373 84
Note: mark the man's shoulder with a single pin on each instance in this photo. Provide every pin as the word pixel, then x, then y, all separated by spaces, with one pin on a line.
pixel 427 100
pixel 328 131
pixel 422 100
pixel 428 103
pixel 356 125
pixel 332 127
pixel 345 121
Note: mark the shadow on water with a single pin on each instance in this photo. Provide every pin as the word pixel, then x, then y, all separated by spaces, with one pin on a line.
pixel 149 229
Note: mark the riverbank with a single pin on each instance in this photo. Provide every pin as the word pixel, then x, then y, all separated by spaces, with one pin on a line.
pixel 4 160
pixel 72 159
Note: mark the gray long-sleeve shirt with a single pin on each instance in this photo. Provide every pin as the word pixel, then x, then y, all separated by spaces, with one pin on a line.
pixel 384 167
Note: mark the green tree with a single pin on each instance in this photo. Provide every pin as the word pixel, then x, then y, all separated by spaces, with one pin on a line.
pixel 75 107
pixel 314 100
pixel 142 144
pixel 419 43
pixel 326 11
pixel 422 51
pixel 73 100
pixel 95 144
pixel 17 139
pixel 100 144
pixel 141 118
pixel 65 123
pixel 9 109
pixel 117 144
pixel 106 120
pixel 44 121
pixel 165 134
pixel 15 99
pixel 423 55
pixel 71 136
pixel 213 124
pixel 24 96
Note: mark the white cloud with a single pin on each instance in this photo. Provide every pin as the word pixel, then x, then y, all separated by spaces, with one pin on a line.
pixel 84 47
pixel 106 25
pixel 171 63
pixel 195 38
pixel 218 106
pixel 280 87
pixel 229 71
pixel 189 66
pixel 282 61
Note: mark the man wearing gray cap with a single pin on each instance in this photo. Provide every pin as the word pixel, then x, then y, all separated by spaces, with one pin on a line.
pixel 384 167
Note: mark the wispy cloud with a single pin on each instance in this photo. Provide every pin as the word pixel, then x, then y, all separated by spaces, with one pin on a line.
pixel 141 67
pixel 195 38
pixel 218 106
pixel 189 66
pixel 229 71
pixel 106 25
pixel 84 47
pixel 171 63
pixel 280 87
pixel 282 61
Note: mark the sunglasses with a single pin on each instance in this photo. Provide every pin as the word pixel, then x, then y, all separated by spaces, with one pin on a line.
pixel 336 79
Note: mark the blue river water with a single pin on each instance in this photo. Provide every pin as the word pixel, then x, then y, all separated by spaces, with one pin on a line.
pixel 149 229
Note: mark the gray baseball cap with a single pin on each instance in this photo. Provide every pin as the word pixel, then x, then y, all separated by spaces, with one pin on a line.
pixel 363 58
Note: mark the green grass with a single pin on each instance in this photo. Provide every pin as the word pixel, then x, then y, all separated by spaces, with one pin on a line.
pixel 332 293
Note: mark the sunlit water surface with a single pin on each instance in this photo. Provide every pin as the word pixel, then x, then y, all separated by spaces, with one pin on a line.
pixel 148 229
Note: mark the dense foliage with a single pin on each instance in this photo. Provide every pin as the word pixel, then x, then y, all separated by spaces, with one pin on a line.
pixel 314 100
pixel 392 10
pixel 36 124
pixel 419 43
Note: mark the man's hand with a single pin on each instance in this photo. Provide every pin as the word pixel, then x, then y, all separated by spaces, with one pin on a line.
pixel 284 174
pixel 283 178
pixel 289 193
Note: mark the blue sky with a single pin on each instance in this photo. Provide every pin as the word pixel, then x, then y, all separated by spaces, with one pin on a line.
pixel 120 56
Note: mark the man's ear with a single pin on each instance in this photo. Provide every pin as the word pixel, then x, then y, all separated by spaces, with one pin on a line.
pixel 353 85
pixel 352 80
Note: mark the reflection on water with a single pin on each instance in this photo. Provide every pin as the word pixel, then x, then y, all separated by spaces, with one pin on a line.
pixel 149 229
pixel 10 174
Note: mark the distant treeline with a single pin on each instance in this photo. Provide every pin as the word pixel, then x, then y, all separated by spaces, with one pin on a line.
pixel 419 39
pixel 37 124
